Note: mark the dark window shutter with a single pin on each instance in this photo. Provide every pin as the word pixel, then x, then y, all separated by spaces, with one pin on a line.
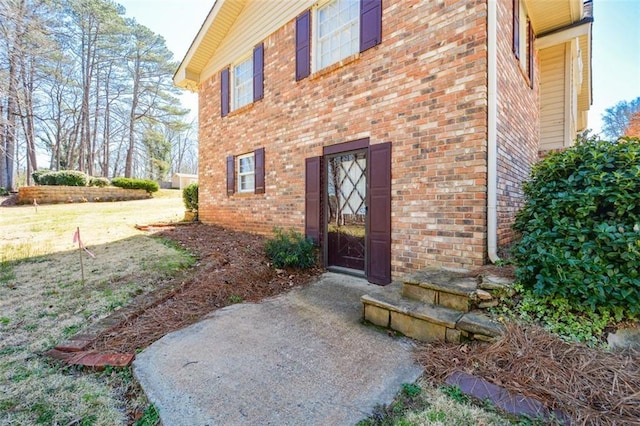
pixel 312 187
pixel 231 175
pixel 530 40
pixel 379 217
pixel 258 72
pixel 303 45
pixel 516 28
pixel 224 92
pixel 370 23
pixel 258 156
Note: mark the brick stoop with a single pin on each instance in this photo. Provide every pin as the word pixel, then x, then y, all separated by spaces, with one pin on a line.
pixel 438 304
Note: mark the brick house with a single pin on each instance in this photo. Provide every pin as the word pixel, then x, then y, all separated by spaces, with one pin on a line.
pixel 396 133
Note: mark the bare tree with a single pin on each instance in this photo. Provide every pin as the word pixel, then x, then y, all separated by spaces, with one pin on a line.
pixel 82 84
pixel 616 119
pixel 152 98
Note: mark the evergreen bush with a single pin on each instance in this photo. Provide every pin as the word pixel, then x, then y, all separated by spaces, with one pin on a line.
pixel 580 227
pixel 100 182
pixel 130 183
pixel 62 178
pixel 290 249
pixel 190 197
pixel 37 174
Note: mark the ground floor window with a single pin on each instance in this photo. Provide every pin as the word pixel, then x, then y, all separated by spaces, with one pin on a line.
pixel 246 172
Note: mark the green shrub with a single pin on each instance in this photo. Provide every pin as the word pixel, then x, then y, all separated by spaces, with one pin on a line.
pixel 3 191
pixel 100 182
pixel 129 183
pixel 64 178
pixel 37 174
pixel 580 227
pixel 290 248
pixel 190 197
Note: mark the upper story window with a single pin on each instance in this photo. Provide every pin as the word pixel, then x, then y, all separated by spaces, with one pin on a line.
pixel 337 34
pixel 243 83
pixel 340 28
pixel 242 86
pixel 523 39
pixel 246 173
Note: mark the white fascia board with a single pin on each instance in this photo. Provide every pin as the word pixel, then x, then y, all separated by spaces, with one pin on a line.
pixel 563 36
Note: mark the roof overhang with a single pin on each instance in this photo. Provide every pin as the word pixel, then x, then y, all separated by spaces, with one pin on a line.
pixel 580 31
pixel 549 15
pixel 561 21
pixel 220 19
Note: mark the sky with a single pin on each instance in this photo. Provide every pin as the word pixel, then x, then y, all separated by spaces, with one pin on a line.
pixel 616 44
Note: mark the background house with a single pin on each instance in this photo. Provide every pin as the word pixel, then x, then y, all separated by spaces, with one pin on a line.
pixel 180 180
pixel 437 109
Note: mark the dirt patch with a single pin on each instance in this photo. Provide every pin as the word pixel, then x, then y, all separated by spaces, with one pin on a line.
pixel 231 268
pixel 593 386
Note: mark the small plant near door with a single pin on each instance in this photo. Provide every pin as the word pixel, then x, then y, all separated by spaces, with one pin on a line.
pixel 290 249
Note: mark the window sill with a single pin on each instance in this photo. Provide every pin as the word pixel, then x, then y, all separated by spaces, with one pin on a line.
pixel 243 194
pixel 523 72
pixel 326 70
pixel 242 109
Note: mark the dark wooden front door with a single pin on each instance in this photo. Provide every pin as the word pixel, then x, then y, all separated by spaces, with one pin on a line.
pixel 346 209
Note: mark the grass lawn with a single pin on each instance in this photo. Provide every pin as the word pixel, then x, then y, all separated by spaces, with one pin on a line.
pixel 43 300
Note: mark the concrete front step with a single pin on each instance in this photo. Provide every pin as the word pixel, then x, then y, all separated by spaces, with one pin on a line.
pixel 425 321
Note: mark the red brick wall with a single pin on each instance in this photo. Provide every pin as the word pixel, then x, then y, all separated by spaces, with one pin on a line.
pixel 518 125
pixel 423 89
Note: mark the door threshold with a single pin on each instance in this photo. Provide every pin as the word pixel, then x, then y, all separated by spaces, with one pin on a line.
pixel 346 271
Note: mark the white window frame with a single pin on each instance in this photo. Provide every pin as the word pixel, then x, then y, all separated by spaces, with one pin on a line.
pixel 243 174
pixel 354 25
pixel 236 101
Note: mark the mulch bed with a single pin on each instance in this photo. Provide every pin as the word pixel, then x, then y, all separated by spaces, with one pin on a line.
pixel 231 267
pixel 592 386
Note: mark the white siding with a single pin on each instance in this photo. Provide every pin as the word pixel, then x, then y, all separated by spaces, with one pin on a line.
pixel 257 20
pixel 552 97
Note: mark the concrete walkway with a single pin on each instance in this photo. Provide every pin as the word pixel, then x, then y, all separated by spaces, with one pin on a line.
pixel 303 358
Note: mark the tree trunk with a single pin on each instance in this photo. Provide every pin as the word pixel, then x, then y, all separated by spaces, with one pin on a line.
pixel 3 148
pixel 128 169
pixel 27 117
pixel 10 129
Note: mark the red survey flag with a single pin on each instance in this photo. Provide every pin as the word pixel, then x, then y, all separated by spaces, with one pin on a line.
pixel 76 239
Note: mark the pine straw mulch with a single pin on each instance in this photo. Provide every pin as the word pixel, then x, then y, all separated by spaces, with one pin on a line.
pixel 593 386
pixel 231 267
